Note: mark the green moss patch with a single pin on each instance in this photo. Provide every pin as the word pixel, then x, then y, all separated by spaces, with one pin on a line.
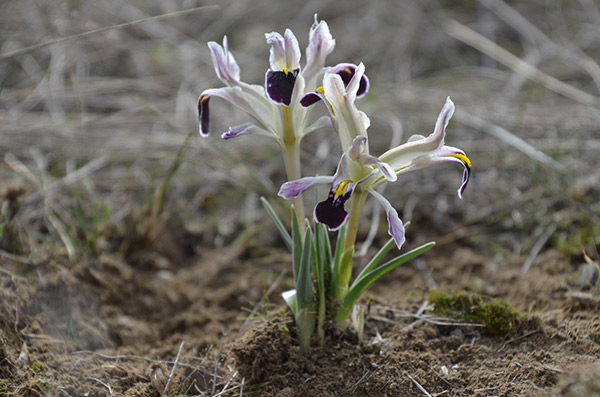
pixel 497 316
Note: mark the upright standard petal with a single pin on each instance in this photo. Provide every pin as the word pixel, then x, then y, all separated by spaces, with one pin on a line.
pixel 402 156
pixel 320 44
pixel 225 65
pixel 285 52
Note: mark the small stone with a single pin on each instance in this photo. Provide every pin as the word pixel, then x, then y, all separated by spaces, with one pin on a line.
pixel 588 276
pixel 458 333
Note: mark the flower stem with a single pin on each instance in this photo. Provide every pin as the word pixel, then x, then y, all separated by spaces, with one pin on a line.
pixel 290 146
pixel 357 202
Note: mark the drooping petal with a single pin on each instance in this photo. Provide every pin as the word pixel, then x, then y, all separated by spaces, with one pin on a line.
pixel 310 99
pixel 331 212
pixel 232 95
pixel 455 155
pixel 259 107
pixel 320 44
pixel 246 129
pixel 396 228
pixel 295 188
pixel 280 85
pixel 225 65
pixel 203 114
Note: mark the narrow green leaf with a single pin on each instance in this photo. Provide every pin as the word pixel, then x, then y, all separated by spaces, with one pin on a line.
pixel 319 259
pixel 337 260
pixel 287 239
pixel 305 323
pixel 377 258
pixel 297 246
pixel 304 288
pixel 362 283
pixel 326 253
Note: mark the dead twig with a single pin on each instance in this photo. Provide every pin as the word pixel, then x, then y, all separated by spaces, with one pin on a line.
pixel 541 40
pixel 173 369
pixel 488 47
pixel 12 54
pixel 80 173
pixel 425 392
pixel 135 357
pixel 510 139
pixel 537 247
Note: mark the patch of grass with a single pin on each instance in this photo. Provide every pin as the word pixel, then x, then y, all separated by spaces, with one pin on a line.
pixel 499 318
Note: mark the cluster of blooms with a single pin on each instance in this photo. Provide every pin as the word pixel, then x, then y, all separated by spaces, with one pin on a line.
pixel 281 108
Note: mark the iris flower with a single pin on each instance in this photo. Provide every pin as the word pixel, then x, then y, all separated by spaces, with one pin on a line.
pixel 274 108
pixel 359 171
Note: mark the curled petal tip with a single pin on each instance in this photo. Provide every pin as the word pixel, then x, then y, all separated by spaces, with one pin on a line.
pixel 203 114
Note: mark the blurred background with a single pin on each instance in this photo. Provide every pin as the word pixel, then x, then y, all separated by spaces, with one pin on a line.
pixel 98 124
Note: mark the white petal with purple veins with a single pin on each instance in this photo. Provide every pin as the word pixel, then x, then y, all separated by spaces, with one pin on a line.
pixel 396 228
pixel 295 188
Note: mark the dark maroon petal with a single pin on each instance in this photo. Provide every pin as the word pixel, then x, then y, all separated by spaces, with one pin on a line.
pixel 280 85
pixel 309 99
pixel 331 212
pixel 203 114
pixel 346 71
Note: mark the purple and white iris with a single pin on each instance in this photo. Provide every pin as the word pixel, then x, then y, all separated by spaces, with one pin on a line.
pixel 359 170
pixel 275 107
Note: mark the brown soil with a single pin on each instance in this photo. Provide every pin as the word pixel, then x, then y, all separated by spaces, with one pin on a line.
pixel 121 327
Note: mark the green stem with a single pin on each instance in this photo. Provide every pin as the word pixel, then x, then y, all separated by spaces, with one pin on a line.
pixel 357 202
pixel 290 146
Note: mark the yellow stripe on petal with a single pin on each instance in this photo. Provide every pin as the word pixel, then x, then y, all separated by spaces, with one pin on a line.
pixel 464 159
pixel 321 90
pixel 340 189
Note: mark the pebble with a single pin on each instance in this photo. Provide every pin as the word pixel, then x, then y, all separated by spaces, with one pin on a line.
pixel 588 276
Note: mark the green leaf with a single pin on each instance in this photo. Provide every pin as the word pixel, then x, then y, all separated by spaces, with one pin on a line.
pixel 377 258
pixel 297 245
pixel 326 251
pixel 337 260
pixel 284 234
pixel 362 283
pixel 304 288
pixel 305 322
